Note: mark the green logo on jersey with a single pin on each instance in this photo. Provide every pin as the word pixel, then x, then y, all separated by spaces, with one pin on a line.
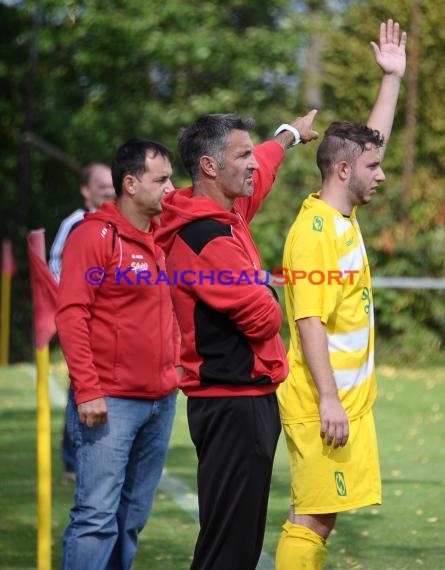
pixel 366 297
pixel 350 241
pixel 340 484
pixel 317 224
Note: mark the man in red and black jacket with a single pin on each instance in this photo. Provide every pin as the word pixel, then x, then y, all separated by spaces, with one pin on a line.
pixel 231 351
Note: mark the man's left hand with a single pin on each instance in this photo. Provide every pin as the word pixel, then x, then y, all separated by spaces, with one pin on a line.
pixel 304 126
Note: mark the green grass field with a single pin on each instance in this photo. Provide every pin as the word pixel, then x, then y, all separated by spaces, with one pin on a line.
pixel 406 533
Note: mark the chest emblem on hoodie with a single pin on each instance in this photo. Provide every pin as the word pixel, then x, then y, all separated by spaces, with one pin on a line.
pixel 137 266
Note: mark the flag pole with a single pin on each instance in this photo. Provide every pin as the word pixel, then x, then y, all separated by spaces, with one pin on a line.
pixel 5 309
pixel 44 506
pixel 36 249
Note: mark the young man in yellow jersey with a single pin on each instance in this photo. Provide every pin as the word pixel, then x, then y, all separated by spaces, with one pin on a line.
pixel 326 402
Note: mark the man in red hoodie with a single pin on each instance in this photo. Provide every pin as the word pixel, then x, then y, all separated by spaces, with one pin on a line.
pixel 118 337
pixel 231 352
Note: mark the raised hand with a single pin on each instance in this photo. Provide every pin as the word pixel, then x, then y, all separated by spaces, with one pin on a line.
pixel 391 53
pixel 304 126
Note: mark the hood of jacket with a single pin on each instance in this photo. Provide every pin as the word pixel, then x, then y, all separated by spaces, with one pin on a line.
pixel 180 208
pixel 109 213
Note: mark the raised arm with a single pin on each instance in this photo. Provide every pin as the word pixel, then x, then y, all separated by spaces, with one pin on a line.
pixel 390 55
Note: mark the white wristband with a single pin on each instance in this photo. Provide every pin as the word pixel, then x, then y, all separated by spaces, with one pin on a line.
pixel 290 128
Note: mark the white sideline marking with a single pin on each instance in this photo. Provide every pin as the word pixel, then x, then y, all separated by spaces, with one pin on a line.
pixel 181 494
pixel 188 501
pixel 57 394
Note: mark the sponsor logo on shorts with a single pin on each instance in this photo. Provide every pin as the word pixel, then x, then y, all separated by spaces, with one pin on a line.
pixel 340 484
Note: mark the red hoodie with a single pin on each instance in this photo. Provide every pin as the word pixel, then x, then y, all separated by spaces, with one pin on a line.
pixel 118 337
pixel 230 332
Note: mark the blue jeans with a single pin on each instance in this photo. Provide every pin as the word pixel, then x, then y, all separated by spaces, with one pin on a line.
pixel 118 467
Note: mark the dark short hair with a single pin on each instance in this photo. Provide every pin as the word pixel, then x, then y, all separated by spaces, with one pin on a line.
pixel 208 136
pixel 345 141
pixel 130 159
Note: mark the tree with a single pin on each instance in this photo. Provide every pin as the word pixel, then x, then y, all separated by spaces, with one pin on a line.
pixel 412 321
pixel 107 70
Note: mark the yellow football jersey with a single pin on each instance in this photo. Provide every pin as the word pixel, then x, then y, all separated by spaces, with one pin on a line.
pixel 327 272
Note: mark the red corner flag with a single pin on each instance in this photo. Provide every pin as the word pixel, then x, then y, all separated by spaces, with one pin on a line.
pixel 44 289
pixel 9 266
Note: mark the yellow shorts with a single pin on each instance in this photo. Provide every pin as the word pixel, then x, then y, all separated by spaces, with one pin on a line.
pixel 328 480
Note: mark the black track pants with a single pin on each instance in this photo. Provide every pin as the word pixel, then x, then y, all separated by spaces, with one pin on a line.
pixel 235 440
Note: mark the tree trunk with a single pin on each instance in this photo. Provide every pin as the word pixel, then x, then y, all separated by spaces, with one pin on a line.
pixel 410 122
pixel 24 176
